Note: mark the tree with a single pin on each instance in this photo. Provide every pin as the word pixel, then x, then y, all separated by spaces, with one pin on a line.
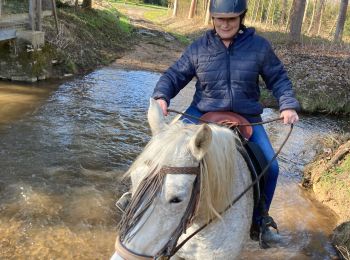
pixel 284 11
pixel 296 20
pixel 207 14
pixel 341 20
pixel 315 23
pixel 176 3
pixel 192 9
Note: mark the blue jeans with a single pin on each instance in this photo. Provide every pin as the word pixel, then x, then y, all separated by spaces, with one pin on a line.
pixel 262 140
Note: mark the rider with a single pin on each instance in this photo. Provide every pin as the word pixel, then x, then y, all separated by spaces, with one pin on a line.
pixel 226 62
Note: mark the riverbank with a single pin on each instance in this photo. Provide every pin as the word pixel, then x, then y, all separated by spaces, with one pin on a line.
pixel 329 179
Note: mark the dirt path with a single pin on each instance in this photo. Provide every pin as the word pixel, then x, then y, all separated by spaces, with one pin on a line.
pixel 155 49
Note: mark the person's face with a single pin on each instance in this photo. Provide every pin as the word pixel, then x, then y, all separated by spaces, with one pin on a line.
pixel 226 28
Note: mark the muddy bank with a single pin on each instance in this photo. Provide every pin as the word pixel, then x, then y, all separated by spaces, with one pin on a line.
pixel 329 179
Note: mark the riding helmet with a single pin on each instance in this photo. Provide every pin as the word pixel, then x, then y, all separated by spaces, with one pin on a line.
pixel 227 8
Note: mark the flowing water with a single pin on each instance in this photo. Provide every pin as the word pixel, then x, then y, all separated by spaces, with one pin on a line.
pixel 63 150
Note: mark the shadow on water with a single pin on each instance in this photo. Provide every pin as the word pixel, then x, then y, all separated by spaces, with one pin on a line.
pixel 64 150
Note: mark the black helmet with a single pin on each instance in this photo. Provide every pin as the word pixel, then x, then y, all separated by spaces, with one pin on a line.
pixel 227 8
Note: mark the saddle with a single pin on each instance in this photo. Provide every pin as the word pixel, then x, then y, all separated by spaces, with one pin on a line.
pixel 250 151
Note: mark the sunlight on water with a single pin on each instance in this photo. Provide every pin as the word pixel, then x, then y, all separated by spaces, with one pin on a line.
pixel 62 165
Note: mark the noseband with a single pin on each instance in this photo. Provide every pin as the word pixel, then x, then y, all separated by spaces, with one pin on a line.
pixel 169 248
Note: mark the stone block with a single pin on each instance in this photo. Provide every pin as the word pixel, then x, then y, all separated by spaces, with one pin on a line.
pixel 35 38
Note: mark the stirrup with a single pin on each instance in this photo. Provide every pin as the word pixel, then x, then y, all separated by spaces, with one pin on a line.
pixel 123 201
pixel 266 222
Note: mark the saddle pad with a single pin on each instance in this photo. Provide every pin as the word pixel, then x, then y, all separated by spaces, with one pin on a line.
pixel 230 119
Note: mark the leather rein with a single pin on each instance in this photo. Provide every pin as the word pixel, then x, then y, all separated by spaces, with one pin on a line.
pixel 171 248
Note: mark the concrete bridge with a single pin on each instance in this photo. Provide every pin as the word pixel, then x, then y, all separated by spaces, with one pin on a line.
pixel 26 25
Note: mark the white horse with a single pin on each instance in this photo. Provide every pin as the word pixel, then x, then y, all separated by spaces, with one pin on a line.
pixel 163 186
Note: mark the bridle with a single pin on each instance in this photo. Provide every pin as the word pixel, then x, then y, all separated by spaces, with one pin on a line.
pixel 171 247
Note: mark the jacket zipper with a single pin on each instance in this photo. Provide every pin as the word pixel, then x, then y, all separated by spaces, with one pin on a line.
pixel 229 75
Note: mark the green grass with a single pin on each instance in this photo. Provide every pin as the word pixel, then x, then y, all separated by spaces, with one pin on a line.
pixel 338 178
pixel 137 3
pixel 155 15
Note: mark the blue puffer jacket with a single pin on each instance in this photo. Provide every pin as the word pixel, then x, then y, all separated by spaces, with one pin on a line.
pixel 227 78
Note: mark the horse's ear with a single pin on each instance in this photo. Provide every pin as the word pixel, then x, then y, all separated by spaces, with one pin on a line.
pixel 200 142
pixel 156 118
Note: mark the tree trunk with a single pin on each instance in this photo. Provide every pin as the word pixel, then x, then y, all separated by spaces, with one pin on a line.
pixel 296 20
pixel 0 7
pixel 262 11
pixel 176 2
pixel 317 19
pixel 273 11
pixel 312 16
pixel 207 14
pixel 269 10
pixel 320 23
pixel 192 9
pixel 256 11
pixel 87 4
pixel 76 5
pixel 341 20
pixel 252 10
pixel 284 11
pixel 307 6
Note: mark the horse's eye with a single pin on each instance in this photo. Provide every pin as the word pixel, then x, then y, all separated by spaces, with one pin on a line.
pixel 175 200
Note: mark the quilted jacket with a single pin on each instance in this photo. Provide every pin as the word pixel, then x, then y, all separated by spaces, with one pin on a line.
pixel 227 78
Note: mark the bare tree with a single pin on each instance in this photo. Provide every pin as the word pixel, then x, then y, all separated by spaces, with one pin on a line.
pixel 192 9
pixel 296 20
pixel 269 10
pixel 256 11
pixel 312 16
pixel 207 14
pixel 341 20
pixel 176 3
pixel 317 17
pixel 305 12
pixel 284 11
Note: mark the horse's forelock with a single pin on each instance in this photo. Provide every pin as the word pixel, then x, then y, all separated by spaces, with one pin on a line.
pixel 217 165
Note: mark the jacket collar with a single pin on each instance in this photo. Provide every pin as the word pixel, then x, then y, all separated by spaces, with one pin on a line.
pixel 240 37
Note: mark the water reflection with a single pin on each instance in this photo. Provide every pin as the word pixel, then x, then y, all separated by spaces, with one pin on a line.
pixel 62 163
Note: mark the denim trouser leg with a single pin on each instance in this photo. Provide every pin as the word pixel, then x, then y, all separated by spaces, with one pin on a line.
pixel 192 111
pixel 262 140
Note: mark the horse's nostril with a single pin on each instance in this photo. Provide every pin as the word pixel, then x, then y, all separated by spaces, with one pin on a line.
pixel 175 200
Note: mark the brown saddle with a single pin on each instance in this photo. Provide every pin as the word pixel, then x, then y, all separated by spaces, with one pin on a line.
pixel 231 120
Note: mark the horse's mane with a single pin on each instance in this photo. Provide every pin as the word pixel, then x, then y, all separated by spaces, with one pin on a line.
pixel 217 166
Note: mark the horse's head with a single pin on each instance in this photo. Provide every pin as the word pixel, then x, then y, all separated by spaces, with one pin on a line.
pixel 166 179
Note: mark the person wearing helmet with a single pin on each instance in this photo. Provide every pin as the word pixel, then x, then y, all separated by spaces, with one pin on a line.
pixel 227 62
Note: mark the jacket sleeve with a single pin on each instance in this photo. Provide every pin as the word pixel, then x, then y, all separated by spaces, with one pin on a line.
pixel 175 78
pixel 276 79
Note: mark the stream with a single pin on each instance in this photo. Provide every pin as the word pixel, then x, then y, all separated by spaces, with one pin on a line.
pixel 64 149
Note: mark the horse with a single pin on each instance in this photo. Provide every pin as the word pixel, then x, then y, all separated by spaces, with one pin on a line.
pixel 186 178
